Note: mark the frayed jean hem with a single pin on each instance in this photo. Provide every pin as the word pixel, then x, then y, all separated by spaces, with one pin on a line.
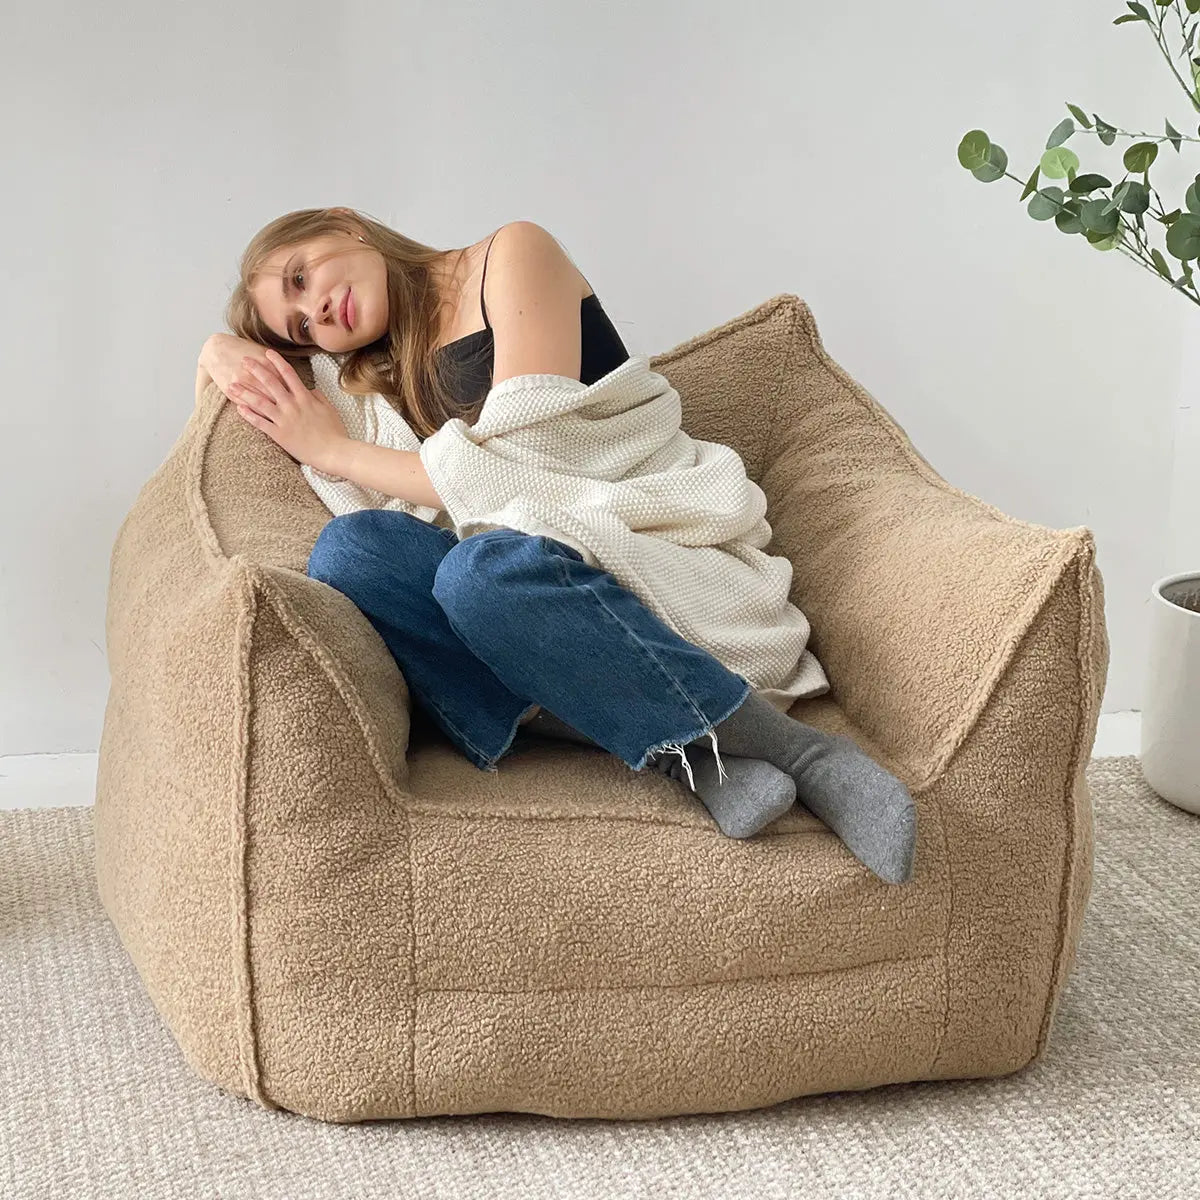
pixel 677 745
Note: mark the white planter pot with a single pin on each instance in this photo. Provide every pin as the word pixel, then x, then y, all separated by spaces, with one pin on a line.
pixel 1171 712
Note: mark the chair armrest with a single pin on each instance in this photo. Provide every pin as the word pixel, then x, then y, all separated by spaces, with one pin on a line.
pixel 918 593
pixel 253 758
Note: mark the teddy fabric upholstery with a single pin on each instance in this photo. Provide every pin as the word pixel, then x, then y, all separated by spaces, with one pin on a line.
pixel 335 917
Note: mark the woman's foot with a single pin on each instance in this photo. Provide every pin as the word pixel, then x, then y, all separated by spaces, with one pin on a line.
pixel 867 807
pixel 751 795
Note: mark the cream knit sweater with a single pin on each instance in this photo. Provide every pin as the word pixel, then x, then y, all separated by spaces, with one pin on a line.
pixel 606 468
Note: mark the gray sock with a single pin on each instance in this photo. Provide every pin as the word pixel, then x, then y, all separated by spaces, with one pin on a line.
pixel 867 807
pixel 752 794
pixel 749 797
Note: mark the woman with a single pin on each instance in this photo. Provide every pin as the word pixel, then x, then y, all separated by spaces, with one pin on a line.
pixel 433 331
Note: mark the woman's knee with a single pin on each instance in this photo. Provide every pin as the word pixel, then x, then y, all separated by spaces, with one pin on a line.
pixel 467 578
pixel 348 541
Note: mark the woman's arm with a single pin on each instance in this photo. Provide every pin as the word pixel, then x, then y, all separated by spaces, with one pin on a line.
pixel 398 473
pixel 533 303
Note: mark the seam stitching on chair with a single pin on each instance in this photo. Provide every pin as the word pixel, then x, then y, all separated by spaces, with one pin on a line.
pixel 197 504
pixel 606 818
pixel 941 1039
pixel 787 363
pixel 247 1024
pixel 415 1107
pixel 694 984
pixel 1085 706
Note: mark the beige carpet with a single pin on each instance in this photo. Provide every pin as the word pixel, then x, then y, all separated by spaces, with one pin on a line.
pixel 96 1100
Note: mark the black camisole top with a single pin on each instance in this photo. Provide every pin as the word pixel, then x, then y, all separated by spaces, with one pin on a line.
pixel 468 361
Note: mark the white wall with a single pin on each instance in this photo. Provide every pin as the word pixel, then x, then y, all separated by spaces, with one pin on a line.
pixel 694 159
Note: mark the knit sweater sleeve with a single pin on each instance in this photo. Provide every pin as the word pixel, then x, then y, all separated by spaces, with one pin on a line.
pixel 476 478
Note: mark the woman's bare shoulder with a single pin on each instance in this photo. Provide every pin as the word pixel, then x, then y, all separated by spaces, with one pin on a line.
pixel 533 235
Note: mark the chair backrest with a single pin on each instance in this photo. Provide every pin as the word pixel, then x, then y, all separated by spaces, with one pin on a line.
pixel 731 378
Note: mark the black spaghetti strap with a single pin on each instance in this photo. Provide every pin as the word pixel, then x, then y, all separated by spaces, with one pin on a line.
pixel 486 323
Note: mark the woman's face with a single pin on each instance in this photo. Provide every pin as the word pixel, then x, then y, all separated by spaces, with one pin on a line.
pixel 302 299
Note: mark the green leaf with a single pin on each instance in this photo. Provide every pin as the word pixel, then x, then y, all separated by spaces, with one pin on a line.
pixel 973 149
pixel 1060 133
pixel 993 169
pixel 1139 9
pixel 1192 199
pixel 1160 262
pixel 1193 6
pixel 1106 132
pixel 1117 197
pixel 1031 182
pixel 1135 198
pixel 1126 17
pixel 1139 156
pixel 1058 161
pixel 1097 218
pixel 1174 135
pixel 1089 183
pixel 1102 241
pixel 1046 203
pixel 1078 112
pixel 1131 197
pixel 1168 218
pixel 1183 238
pixel 1068 219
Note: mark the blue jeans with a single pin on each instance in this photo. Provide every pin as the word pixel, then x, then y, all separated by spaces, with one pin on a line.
pixel 490 626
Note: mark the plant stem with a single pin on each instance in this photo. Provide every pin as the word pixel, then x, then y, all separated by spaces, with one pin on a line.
pixel 1162 208
pixel 1154 137
pixel 1162 45
pixel 1182 30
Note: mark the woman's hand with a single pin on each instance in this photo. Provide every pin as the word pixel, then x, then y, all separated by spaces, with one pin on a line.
pixel 303 422
pixel 222 355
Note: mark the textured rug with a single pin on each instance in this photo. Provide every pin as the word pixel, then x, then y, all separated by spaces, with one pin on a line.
pixel 97 1101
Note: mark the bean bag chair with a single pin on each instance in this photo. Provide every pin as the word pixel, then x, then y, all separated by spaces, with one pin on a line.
pixel 335 913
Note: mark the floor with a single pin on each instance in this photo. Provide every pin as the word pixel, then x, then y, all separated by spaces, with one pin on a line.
pixel 69 780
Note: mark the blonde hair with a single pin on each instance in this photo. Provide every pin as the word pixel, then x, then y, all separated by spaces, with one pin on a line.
pixel 403 365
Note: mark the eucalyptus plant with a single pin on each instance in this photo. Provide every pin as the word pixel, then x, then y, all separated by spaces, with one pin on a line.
pixel 1114 218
